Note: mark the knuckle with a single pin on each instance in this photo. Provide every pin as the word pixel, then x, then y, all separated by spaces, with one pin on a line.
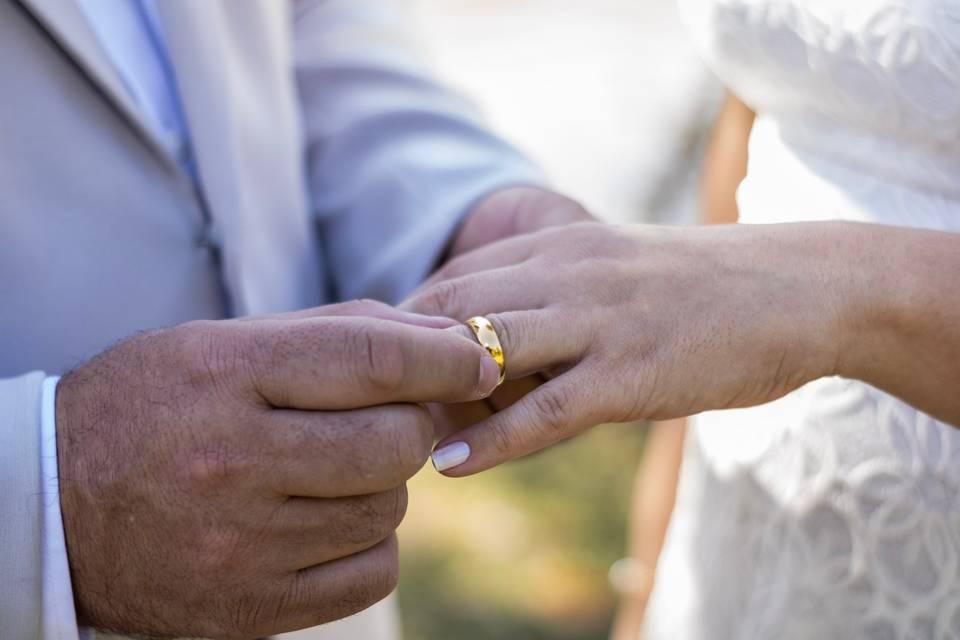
pixel 307 601
pixel 589 242
pixel 371 584
pixel 445 298
pixel 260 612
pixel 203 354
pixel 355 591
pixel 398 501
pixel 383 578
pixel 452 269
pixel 413 438
pixel 372 518
pixel 213 359
pixel 552 409
pixel 264 347
pixel 378 358
pixel 502 439
pixel 215 468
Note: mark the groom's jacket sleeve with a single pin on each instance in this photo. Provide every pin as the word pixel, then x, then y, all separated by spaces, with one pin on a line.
pixel 21 507
pixel 394 159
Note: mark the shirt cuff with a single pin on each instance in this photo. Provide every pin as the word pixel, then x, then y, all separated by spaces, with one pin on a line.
pixel 58 617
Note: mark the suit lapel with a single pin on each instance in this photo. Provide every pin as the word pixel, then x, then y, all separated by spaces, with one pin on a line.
pixel 197 41
pixel 232 76
pixel 66 24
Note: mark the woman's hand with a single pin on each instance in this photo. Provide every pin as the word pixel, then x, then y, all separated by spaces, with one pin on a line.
pixel 642 322
pixel 503 214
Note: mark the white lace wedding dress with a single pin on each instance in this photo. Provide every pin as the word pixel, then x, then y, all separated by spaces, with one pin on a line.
pixel 834 512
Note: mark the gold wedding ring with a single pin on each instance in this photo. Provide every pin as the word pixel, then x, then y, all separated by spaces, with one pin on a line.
pixel 488 339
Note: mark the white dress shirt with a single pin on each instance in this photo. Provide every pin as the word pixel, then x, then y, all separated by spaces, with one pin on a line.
pixel 59 617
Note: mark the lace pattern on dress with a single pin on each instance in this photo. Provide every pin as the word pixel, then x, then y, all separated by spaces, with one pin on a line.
pixel 835 511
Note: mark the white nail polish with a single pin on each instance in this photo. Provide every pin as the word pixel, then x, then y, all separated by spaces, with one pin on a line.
pixel 450 456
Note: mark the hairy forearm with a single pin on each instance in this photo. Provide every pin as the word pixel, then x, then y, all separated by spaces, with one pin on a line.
pixel 901 308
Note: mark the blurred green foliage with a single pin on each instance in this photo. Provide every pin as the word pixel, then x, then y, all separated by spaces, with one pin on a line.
pixel 520 552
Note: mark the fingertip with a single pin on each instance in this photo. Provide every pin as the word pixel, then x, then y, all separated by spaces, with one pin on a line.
pixel 465 453
pixel 450 456
pixel 487 374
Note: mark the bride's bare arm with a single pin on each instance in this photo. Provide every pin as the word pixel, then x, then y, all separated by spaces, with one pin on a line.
pixel 901 313
pixel 660 322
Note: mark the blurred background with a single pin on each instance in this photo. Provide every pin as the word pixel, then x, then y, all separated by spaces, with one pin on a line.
pixel 609 97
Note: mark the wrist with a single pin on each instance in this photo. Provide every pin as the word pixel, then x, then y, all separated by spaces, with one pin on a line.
pixel 881 277
pixel 888 275
pixel 819 297
pixel 843 282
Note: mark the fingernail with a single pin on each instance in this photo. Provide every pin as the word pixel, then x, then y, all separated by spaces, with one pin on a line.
pixel 450 456
pixel 489 375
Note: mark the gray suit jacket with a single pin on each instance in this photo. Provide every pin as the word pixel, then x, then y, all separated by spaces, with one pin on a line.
pixel 330 166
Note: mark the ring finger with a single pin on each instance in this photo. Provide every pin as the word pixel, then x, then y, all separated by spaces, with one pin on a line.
pixel 535 341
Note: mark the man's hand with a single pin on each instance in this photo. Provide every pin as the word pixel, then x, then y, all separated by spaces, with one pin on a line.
pixel 244 478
